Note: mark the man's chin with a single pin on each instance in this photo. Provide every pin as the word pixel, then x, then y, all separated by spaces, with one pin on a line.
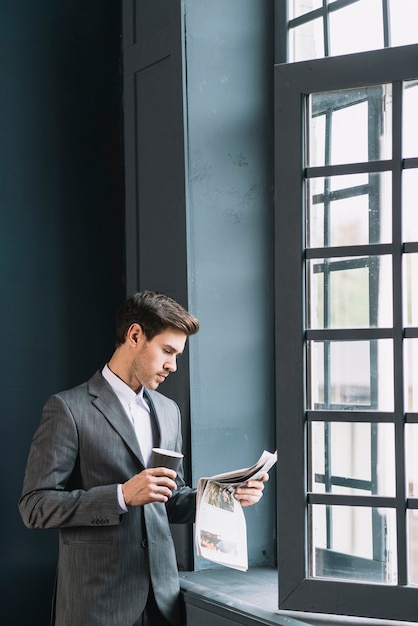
pixel 156 382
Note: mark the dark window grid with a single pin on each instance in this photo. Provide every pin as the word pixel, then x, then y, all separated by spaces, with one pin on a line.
pixel 349 334
pixel 349 251
pixel 340 194
pixel 336 499
pixel 320 12
pixel 410 163
pixel 358 251
pixel 374 130
pixel 335 406
pixel 329 480
pixel 411 418
pixel 342 264
pixel 374 502
pixel 410 247
pixel 327 106
pixel 297 591
pixel 368 167
pixel 342 481
pixel 324 104
pixel 323 13
pixel 401 517
pixel 342 414
pixel 374 249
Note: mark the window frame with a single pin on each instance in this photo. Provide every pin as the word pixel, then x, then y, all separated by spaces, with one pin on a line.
pixel 293 82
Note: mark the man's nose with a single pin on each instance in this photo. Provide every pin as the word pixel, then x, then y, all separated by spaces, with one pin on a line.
pixel 171 363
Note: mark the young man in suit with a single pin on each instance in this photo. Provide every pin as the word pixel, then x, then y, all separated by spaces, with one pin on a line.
pixel 88 474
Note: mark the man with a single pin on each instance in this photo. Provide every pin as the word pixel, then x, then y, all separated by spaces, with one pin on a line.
pixel 88 474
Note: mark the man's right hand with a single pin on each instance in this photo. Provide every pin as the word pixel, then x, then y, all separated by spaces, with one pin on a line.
pixel 151 485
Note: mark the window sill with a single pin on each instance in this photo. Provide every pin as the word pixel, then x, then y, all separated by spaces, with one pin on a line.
pixel 251 598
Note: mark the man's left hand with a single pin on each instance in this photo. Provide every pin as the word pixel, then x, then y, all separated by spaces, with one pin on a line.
pixel 252 492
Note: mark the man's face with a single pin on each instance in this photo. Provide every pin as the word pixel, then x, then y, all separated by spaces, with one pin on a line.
pixel 155 359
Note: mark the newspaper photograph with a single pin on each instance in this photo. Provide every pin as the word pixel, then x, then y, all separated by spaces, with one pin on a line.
pixel 221 530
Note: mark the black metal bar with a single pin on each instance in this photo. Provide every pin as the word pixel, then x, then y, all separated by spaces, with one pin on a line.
pixel 342 414
pixel 376 249
pixel 334 499
pixel 398 332
pixel 348 334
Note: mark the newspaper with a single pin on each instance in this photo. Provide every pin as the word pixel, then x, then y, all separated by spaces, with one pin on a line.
pixel 221 531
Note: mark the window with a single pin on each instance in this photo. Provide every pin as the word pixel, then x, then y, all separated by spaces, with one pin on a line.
pixel 322 28
pixel 347 332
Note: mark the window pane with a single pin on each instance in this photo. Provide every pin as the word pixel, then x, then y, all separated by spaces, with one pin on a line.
pixel 349 210
pixel 357 543
pixel 410 203
pixel 300 7
pixel 339 131
pixel 351 374
pixel 353 458
pixel 411 447
pixel 353 292
pixel 356 28
pixel 410 291
pixel 410 126
pixel 306 41
pixel 410 375
pixel 403 22
pixel 413 547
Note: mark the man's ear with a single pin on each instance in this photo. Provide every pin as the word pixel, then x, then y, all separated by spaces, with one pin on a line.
pixel 135 334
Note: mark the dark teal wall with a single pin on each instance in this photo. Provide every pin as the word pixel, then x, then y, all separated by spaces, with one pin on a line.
pixel 229 122
pixel 61 243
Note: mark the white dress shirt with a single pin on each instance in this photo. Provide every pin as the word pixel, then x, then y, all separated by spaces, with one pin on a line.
pixel 138 412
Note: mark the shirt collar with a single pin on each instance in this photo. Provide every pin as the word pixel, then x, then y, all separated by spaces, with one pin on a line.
pixel 122 389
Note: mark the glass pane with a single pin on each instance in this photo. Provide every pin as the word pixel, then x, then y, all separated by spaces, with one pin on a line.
pixel 410 204
pixel 410 291
pixel 357 543
pixel 300 7
pixel 351 374
pixel 412 540
pixel 353 292
pixel 403 22
pixel 350 126
pixel 411 447
pixel 306 41
pixel 349 210
pixel 410 126
pixel 356 28
pixel 353 458
pixel 410 375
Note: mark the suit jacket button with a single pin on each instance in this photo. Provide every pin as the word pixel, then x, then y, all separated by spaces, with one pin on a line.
pixel 144 543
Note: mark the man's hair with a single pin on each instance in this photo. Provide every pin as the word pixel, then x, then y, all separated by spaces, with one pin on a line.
pixel 154 312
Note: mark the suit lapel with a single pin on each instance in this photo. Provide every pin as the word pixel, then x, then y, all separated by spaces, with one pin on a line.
pixel 108 404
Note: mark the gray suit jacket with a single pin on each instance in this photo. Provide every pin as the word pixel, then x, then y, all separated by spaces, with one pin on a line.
pixel 84 446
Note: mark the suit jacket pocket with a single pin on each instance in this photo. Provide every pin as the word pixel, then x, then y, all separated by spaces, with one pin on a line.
pixel 87 542
pixel 87 536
